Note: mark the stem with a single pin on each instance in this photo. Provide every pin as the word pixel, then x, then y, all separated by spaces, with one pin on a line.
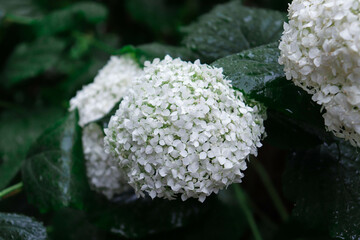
pixel 11 191
pixel 241 197
pixel 270 188
pixel 263 217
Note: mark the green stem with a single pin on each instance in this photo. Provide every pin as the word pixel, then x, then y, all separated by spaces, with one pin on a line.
pixel 10 191
pixel 241 197
pixel 270 188
pixel 263 217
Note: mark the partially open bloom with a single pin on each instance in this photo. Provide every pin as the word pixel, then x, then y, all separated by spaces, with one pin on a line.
pixel 94 101
pixel 320 52
pixel 182 130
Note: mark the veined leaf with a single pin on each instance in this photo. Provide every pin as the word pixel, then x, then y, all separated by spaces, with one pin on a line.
pixel 252 69
pixel 19 227
pixel 54 173
pixel 230 28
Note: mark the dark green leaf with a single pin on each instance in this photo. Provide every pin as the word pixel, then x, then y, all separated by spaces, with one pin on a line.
pixel 54 172
pixel 70 18
pixel 295 230
pixel 132 217
pixel 19 227
pixel 19 130
pixel 222 218
pixel 73 224
pixel 285 132
pixel 298 118
pixel 31 59
pixel 325 184
pixel 147 52
pixel 231 28
pixel 158 15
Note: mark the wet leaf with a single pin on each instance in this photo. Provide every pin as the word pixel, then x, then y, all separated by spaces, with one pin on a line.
pixel 231 28
pixel 19 227
pixel 54 172
pixel 252 69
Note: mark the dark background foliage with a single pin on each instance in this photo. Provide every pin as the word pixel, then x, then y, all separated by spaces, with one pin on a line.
pixel 50 49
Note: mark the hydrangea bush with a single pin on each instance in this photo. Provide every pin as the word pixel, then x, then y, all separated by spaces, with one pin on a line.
pixel 246 127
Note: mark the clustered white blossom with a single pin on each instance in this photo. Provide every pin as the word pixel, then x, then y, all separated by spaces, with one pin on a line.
pixel 182 130
pixel 102 170
pixel 94 101
pixel 320 52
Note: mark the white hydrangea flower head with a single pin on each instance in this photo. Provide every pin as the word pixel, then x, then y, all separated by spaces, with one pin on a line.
pixel 182 130
pixel 96 99
pixel 102 170
pixel 320 53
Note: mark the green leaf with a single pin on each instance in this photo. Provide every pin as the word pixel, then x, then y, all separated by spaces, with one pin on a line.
pixel 32 59
pixel 325 184
pixel 54 172
pixel 287 133
pixel 230 28
pixel 252 69
pixel 132 217
pixel 19 130
pixel 147 52
pixel 71 17
pixel 19 227
pixel 22 10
